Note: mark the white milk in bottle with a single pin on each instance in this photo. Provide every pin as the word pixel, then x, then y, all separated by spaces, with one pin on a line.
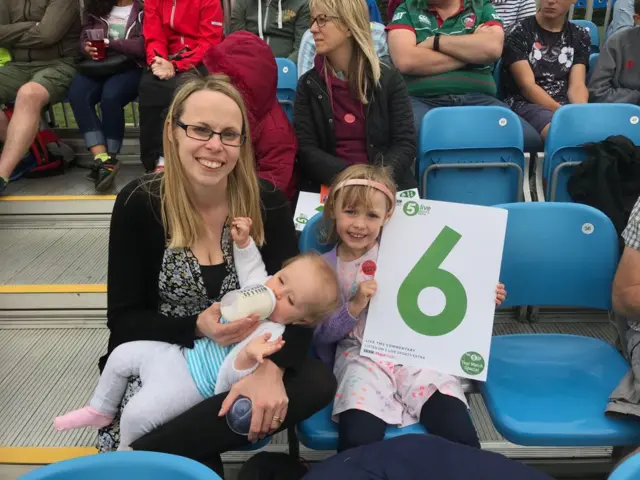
pixel 254 299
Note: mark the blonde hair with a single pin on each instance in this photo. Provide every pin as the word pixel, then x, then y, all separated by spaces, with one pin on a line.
pixel 180 217
pixel 364 69
pixel 327 298
pixel 353 195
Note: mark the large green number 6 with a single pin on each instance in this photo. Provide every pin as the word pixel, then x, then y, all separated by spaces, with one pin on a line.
pixel 427 273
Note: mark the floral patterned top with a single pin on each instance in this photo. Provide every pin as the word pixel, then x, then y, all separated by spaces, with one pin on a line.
pixel 550 55
pixel 182 293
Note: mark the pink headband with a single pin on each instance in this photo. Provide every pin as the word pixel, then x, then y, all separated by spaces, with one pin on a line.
pixel 369 183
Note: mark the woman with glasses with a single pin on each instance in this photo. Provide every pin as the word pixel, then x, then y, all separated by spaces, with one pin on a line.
pixel 350 108
pixel 171 258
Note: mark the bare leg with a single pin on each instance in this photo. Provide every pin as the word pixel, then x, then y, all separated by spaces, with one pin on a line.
pixel 98 149
pixel 22 129
pixel 545 131
pixel 4 124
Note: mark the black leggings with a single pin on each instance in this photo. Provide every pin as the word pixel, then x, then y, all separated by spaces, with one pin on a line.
pixel 201 435
pixel 441 415
pixel 154 99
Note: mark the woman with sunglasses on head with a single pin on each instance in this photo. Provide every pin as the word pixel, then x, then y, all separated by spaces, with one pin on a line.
pixel 171 259
pixel 351 108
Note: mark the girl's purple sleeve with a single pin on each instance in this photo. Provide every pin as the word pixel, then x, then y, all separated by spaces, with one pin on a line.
pixel 336 327
pixel 132 47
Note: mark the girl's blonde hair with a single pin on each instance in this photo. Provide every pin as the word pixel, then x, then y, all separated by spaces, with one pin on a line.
pixel 180 217
pixel 353 196
pixel 353 15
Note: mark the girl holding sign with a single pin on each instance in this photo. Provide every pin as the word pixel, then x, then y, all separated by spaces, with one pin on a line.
pixel 374 393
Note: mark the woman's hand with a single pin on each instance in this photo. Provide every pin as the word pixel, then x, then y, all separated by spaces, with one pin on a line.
pixel 163 69
pixel 208 325
pixel 92 52
pixel 269 400
pixel 501 294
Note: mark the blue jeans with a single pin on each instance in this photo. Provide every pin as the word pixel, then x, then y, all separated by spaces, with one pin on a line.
pixel 113 94
pixel 420 106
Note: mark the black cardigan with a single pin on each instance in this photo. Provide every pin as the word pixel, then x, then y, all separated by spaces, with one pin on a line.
pixel 391 136
pixel 136 249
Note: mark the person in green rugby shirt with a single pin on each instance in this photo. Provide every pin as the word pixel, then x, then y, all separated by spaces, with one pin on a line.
pixel 446 50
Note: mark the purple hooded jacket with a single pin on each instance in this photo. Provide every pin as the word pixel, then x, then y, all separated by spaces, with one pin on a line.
pixel 336 327
pixel 133 43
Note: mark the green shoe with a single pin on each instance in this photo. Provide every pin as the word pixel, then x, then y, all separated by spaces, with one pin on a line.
pixel 106 173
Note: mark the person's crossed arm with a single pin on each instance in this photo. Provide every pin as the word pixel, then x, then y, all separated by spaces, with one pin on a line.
pixel 482 47
pixel 626 284
pixel 418 59
pixel 58 18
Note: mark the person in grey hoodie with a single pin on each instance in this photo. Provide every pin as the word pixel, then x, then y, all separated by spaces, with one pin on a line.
pixel 280 23
pixel 616 78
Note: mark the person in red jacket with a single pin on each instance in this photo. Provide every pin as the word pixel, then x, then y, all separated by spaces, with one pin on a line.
pixel 177 34
pixel 248 61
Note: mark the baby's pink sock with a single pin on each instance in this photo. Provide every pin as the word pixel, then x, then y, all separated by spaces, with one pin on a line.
pixel 84 417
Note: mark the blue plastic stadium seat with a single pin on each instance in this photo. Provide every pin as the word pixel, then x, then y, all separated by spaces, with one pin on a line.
pixel 124 466
pixel 593 60
pixel 319 432
pixel 574 125
pixel 594 33
pixel 481 161
pixel 552 389
pixel 310 236
pixel 627 470
pixel 287 83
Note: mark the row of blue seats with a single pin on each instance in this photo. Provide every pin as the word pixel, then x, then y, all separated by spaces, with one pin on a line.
pixel 542 389
pixel 486 165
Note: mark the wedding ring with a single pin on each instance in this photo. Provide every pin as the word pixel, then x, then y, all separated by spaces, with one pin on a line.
pixel 276 419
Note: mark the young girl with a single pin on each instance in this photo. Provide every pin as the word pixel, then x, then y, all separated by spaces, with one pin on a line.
pixel 373 393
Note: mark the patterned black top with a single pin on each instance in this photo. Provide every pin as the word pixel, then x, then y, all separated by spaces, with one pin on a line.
pixel 550 54
pixel 156 293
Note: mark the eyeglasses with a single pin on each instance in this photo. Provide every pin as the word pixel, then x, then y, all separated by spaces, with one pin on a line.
pixel 322 20
pixel 204 134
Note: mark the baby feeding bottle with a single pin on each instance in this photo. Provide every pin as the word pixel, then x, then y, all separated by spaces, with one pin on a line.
pixel 239 416
pixel 254 299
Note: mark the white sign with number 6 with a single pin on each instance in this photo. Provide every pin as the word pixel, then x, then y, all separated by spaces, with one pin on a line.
pixel 437 272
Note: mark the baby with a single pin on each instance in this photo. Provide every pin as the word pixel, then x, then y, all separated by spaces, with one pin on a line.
pixel 175 378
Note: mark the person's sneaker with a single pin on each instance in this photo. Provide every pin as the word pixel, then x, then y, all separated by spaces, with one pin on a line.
pixel 93 170
pixel 3 184
pixel 106 173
